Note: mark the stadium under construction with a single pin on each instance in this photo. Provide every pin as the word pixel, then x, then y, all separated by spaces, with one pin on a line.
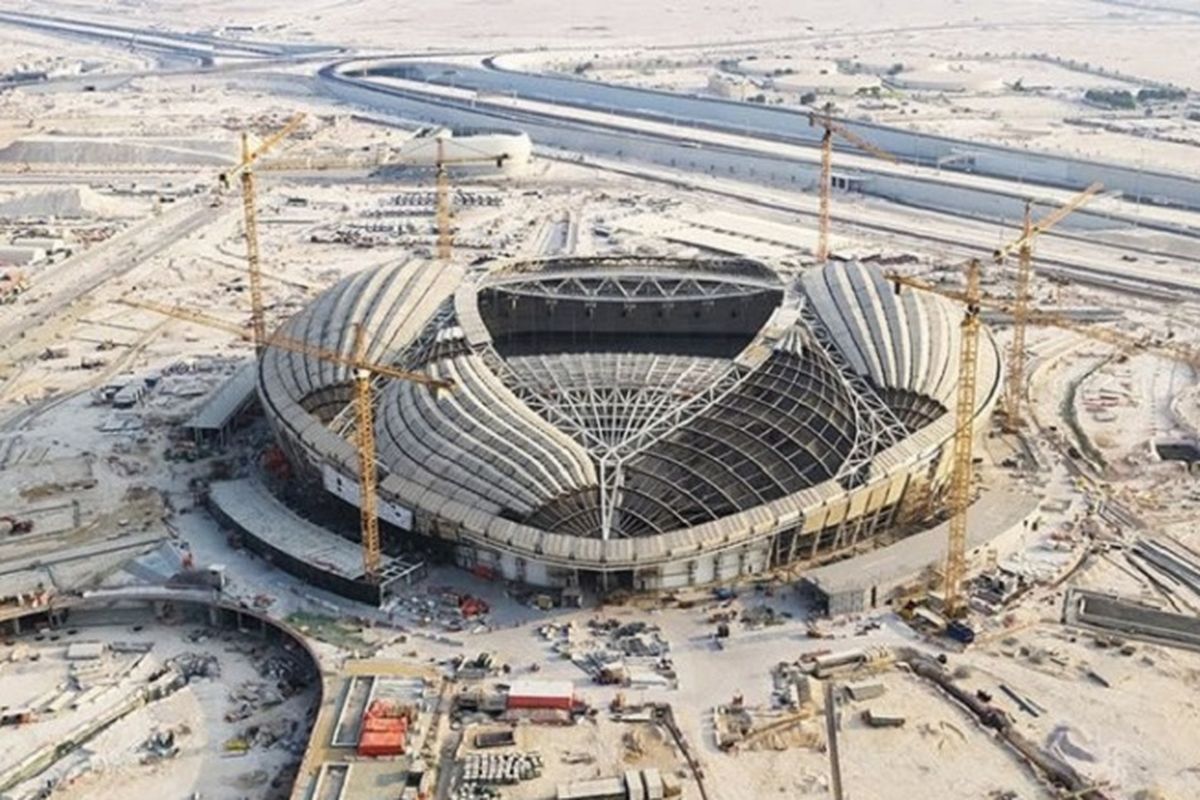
pixel 627 422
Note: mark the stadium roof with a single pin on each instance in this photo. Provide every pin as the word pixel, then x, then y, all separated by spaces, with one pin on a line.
pixel 617 398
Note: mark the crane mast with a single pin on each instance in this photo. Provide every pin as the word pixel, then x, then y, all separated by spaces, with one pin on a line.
pixel 444 236
pixel 364 434
pixel 1023 246
pixel 245 168
pixel 962 460
pixel 444 211
pixel 1016 355
pixel 825 120
pixel 258 322
pixel 826 189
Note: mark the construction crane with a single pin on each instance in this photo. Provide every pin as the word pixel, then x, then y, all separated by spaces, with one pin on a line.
pixel 825 120
pixel 364 435
pixel 362 371
pixel 963 461
pixel 1023 246
pixel 317 163
pixel 444 210
pixel 445 236
pixel 1177 351
pixel 962 465
pixel 245 170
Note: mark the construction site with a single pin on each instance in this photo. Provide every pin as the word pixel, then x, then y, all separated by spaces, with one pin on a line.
pixel 595 405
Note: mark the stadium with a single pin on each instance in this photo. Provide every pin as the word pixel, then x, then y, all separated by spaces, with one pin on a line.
pixel 628 422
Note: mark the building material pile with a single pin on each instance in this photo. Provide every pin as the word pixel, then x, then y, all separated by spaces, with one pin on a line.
pixel 645 784
pixel 1055 769
pixel 160 745
pixel 440 607
pixel 847 661
pixel 1110 614
pixel 793 688
pixel 626 654
pixel 196 665
pixel 249 697
pixel 384 729
pixel 502 768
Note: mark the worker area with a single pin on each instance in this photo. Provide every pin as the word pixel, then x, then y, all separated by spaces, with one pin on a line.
pixel 702 422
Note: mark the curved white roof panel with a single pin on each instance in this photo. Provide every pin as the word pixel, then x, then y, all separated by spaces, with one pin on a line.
pixel 907 341
pixel 599 402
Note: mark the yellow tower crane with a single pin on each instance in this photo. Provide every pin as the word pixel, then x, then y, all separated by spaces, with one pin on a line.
pixel 960 480
pixel 445 214
pixel 962 463
pixel 443 207
pixel 364 404
pixel 245 171
pixel 364 438
pixel 1169 348
pixel 1023 246
pixel 825 120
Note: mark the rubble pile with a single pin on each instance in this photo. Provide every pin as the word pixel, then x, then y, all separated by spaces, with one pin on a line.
pixel 442 608
pixel 251 696
pixel 160 745
pixel 196 665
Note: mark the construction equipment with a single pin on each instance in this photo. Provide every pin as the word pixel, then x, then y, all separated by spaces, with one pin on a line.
pixel 445 236
pixel 444 211
pixel 1021 296
pixel 961 460
pixel 960 481
pixel 825 120
pixel 364 434
pixel 1167 347
pixel 245 170
pixel 362 372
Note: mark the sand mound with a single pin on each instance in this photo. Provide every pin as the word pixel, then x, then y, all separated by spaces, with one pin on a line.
pixel 68 203
pixel 72 150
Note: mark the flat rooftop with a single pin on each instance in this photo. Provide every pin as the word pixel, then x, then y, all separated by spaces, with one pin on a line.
pixel 224 403
pixel 253 508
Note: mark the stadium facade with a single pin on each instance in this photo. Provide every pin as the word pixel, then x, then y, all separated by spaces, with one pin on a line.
pixel 647 423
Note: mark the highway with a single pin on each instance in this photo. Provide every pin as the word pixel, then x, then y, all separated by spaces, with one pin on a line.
pixel 791 126
pixel 205 48
pixel 75 278
pixel 1079 258
pixel 759 155
pixel 780 160
pixel 746 168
